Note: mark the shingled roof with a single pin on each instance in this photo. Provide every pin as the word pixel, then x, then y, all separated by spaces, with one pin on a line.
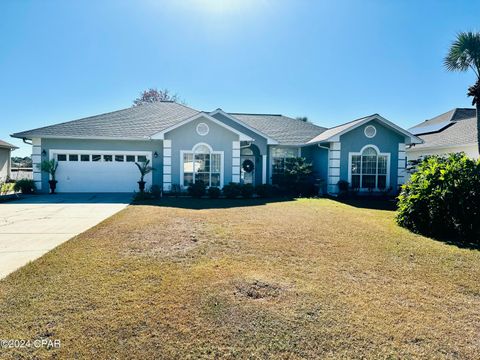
pixel 137 122
pixel 5 145
pixel 285 130
pixel 455 127
pixel 144 121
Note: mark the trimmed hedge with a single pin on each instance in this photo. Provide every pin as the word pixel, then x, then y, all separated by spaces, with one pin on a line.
pixel 442 199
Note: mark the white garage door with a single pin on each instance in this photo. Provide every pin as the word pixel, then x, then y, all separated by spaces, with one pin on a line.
pixel 99 171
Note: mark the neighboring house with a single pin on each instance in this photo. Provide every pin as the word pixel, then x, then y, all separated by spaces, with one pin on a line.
pixel 96 154
pixel 452 132
pixel 5 162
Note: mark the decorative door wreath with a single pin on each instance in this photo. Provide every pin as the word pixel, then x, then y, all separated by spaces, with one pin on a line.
pixel 248 166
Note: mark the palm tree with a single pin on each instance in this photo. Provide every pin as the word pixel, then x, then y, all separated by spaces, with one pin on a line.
pixel 464 54
pixel 144 169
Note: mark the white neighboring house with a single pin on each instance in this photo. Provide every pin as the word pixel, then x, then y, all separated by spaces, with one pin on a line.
pixel 452 132
pixel 5 162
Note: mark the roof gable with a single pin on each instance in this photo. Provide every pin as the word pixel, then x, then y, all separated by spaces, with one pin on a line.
pixel 161 134
pixel 270 141
pixel 334 133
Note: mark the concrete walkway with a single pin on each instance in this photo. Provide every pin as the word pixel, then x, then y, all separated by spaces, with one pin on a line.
pixel 35 225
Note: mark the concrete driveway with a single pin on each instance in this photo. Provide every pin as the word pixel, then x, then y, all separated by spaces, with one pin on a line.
pixel 35 225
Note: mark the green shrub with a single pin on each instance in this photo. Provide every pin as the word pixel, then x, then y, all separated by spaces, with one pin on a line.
pixel 5 188
pixel 442 199
pixel 26 186
pixel 298 179
pixel 265 190
pixel 156 191
pixel 197 190
pixel 214 192
pixel 232 190
pixel 247 190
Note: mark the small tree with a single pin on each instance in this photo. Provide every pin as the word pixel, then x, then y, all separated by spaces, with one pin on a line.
pixel 298 177
pixel 302 118
pixel 153 95
pixel 144 169
pixel 50 167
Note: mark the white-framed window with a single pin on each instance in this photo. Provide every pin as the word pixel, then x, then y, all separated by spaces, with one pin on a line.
pixel 370 131
pixel 202 129
pixel 369 169
pixel 279 155
pixel 202 164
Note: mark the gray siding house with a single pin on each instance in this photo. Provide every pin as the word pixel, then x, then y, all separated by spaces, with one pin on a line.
pixel 5 162
pixel 97 154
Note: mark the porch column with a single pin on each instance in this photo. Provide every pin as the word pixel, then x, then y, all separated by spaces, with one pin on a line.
pixel 334 167
pixel 401 165
pixel 36 160
pixel 167 165
pixel 236 161
pixel 264 169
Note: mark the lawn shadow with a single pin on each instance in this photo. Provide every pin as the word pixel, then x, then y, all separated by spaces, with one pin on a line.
pixel 203 204
pixel 374 203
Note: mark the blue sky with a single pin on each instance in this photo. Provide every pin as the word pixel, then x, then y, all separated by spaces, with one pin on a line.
pixel 331 61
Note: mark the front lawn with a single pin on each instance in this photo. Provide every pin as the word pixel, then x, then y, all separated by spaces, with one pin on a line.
pixel 292 279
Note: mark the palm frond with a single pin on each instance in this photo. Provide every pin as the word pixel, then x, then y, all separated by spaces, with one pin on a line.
pixel 464 53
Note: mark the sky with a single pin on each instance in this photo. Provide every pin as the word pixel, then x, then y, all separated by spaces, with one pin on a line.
pixel 332 61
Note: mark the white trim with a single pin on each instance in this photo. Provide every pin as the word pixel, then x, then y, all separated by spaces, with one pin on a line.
pixel 333 170
pixel 401 147
pixel 144 138
pixel 182 152
pixel 270 141
pixel 207 129
pixel 167 162
pixel 336 146
pixel 264 169
pixel 374 131
pixel 350 154
pixel 161 135
pixel 101 152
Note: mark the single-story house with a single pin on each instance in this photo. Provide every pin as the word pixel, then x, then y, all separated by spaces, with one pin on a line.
pixel 452 132
pixel 184 145
pixel 5 159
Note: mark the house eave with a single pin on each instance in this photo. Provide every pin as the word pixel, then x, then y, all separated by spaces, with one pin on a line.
pixel 35 136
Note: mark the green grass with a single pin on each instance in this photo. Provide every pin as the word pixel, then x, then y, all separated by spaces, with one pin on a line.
pixel 242 279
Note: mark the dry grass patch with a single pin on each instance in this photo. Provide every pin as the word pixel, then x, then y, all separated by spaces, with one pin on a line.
pixel 296 279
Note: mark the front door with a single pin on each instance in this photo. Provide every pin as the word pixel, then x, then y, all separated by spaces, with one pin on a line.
pixel 247 169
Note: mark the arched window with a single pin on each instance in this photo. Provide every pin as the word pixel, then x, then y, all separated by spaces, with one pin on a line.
pixel 369 170
pixel 246 152
pixel 202 164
